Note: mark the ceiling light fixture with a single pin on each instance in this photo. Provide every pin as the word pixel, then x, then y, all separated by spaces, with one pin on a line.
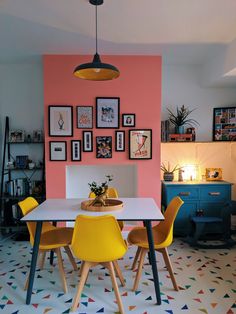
pixel 96 70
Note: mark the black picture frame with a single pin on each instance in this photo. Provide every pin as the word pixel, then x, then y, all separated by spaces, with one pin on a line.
pixel 57 150
pixel 87 141
pixel 119 141
pixel 60 121
pixel 84 117
pixel 104 147
pixel 76 150
pixel 128 119
pixel 224 124
pixel 107 112
pixel 140 144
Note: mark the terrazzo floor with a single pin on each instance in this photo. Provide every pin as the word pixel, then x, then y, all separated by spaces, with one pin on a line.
pixel 207 281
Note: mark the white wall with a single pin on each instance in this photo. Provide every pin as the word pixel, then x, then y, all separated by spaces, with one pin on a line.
pixel 182 84
pixel 21 94
pixel 78 177
pixel 21 98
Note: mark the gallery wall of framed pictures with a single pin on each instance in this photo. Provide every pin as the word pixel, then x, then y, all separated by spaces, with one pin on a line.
pixel 106 116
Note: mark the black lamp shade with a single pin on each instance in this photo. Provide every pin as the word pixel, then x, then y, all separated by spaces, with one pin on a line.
pixel 96 70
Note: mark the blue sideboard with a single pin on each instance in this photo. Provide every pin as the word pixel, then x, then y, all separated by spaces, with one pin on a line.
pixel 209 197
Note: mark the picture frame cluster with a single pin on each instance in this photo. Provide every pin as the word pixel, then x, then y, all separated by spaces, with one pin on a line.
pixel 107 116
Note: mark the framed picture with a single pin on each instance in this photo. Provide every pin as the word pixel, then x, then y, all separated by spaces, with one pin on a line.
pixel 224 124
pixel 57 151
pixel 120 141
pixel 87 141
pixel 103 147
pixel 128 119
pixel 108 112
pixel 76 150
pixel 60 119
pixel 213 174
pixel 140 144
pixel 84 117
pixel 16 136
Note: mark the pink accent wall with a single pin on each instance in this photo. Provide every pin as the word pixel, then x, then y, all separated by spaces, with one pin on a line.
pixel 139 89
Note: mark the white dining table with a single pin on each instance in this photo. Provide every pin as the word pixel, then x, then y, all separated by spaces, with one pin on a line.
pixel 58 210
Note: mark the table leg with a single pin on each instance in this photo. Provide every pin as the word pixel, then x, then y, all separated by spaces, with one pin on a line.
pixel 34 260
pixel 52 252
pixel 152 256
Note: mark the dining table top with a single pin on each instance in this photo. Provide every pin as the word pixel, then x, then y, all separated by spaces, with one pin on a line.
pixel 62 209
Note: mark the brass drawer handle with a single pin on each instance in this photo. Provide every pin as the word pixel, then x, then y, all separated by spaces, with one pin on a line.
pixel 214 193
pixel 184 193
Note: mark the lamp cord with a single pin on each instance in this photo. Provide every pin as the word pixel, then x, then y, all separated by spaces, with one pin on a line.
pixel 96 16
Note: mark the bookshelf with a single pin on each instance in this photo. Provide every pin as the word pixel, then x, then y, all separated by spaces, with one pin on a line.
pixel 20 177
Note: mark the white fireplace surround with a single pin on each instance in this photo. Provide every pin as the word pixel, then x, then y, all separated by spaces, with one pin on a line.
pixel 78 177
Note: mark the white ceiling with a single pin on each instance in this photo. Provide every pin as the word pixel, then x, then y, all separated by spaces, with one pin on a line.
pixel 182 31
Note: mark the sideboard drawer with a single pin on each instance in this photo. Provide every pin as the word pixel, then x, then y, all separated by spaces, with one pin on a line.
pixel 185 193
pixel 215 193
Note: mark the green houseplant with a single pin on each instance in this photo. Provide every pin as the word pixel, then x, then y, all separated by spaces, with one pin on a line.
pixel 98 189
pixel 181 118
pixel 168 171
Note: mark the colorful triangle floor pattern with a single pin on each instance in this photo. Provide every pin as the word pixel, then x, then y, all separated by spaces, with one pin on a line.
pixel 207 281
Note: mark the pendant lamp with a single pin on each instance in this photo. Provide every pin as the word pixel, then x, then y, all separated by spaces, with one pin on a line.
pixel 96 70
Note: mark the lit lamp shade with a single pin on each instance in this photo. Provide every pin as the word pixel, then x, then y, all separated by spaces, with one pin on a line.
pixel 96 70
pixel 190 172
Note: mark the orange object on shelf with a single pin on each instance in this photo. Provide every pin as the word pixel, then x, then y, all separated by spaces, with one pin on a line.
pixel 180 137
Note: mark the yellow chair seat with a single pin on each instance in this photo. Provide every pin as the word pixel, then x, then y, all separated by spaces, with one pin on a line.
pixel 138 236
pixel 55 238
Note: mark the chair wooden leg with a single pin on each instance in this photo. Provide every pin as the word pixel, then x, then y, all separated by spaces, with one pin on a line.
pixel 26 283
pixel 136 258
pixel 119 273
pixel 140 267
pixel 84 275
pixel 165 254
pixel 71 257
pixel 109 265
pixel 61 269
pixel 41 263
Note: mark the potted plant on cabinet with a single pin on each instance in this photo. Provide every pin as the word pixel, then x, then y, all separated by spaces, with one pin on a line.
pixel 168 171
pixel 181 118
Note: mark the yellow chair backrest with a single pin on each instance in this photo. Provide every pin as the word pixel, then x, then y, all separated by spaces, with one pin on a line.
pixel 26 206
pixel 165 227
pixel 112 193
pixel 97 239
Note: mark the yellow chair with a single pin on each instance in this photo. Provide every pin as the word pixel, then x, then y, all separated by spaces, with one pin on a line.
pixel 112 193
pixel 98 240
pixel 162 236
pixel 52 238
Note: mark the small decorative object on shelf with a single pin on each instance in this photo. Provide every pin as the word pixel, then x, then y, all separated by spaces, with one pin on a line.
pixel 213 174
pixel 168 171
pixel 180 137
pixel 181 118
pixel 16 136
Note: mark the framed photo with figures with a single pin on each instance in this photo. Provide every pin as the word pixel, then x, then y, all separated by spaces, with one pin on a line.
pixel 107 112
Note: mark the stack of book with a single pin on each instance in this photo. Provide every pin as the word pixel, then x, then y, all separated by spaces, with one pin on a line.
pixel 165 130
